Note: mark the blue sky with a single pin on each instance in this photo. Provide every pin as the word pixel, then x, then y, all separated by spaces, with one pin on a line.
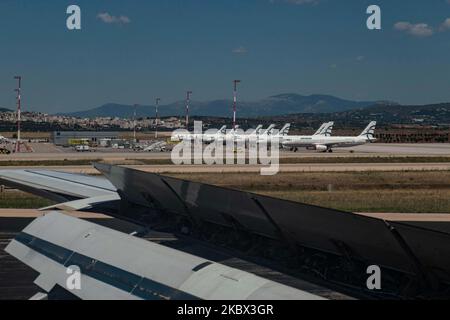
pixel 163 48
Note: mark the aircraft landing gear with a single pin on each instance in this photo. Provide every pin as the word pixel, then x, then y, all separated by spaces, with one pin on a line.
pixel 330 150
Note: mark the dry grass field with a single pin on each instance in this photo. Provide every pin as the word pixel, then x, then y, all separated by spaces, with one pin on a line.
pixel 402 191
pixel 103 157
pixel 412 192
pixel 28 134
pixel 18 199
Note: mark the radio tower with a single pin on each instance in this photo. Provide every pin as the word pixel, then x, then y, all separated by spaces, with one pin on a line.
pixel 234 102
pixel 19 87
pixel 156 119
pixel 188 98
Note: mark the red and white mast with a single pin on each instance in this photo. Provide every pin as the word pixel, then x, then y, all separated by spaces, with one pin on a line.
pixel 188 99
pixel 134 123
pixel 18 90
pixel 156 118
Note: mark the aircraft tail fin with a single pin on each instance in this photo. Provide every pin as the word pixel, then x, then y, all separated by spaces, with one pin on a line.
pixel 328 128
pixel 269 129
pixel 320 129
pixel 285 130
pixel 369 131
pixel 222 130
pixel 325 129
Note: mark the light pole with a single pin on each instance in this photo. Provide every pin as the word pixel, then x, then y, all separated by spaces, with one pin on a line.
pixel 188 97
pixel 235 82
pixel 134 123
pixel 19 88
pixel 156 118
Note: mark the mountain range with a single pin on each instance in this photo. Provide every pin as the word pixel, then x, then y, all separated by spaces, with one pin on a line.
pixel 431 114
pixel 272 106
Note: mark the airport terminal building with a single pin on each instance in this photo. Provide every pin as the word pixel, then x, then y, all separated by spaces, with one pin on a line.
pixel 70 138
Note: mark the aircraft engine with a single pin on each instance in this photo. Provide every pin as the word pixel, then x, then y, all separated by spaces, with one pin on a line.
pixel 318 147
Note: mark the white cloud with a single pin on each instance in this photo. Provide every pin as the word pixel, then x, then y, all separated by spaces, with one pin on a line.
pixel 240 50
pixel 302 1
pixel 107 18
pixel 297 2
pixel 446 24
pixel 418 30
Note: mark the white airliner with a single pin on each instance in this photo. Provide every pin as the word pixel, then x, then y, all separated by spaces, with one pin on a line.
pixel 210 137
pixel 255 132
pixel 270 134
pixel 246 136
pixel 326 143
pixel 268 130
pixel 324 130
pixel 207 137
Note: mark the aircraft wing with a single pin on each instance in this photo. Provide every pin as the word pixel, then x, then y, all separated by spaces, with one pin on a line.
pixel 83 204
pixel 95 262
pixel 70 191
pixel 57 185
pixel 403 250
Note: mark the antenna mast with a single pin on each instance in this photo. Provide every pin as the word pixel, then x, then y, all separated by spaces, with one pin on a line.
pixel 18 98
pixel 235 82
pixel 188 97
pixel 156 118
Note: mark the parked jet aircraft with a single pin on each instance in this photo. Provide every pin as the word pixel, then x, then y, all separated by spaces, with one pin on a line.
pixel 268 130
pixel 255 132
pixel 239 136
pixel 207 137
pixel 323 131
pixel 326 143
pixel 271 134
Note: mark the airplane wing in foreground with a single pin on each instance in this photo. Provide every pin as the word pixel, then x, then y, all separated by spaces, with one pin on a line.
pixel 330 246
pixel 112 265
pixel 70 191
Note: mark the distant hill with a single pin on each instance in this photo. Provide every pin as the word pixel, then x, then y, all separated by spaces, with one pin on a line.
pixel 426 114
pixel 432 114
pixel 5 110
pixel 275 105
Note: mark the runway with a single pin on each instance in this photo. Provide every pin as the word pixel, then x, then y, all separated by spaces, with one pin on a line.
pixel 426 149
pixel 291 167
pixel 50 152
pixel 390 216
